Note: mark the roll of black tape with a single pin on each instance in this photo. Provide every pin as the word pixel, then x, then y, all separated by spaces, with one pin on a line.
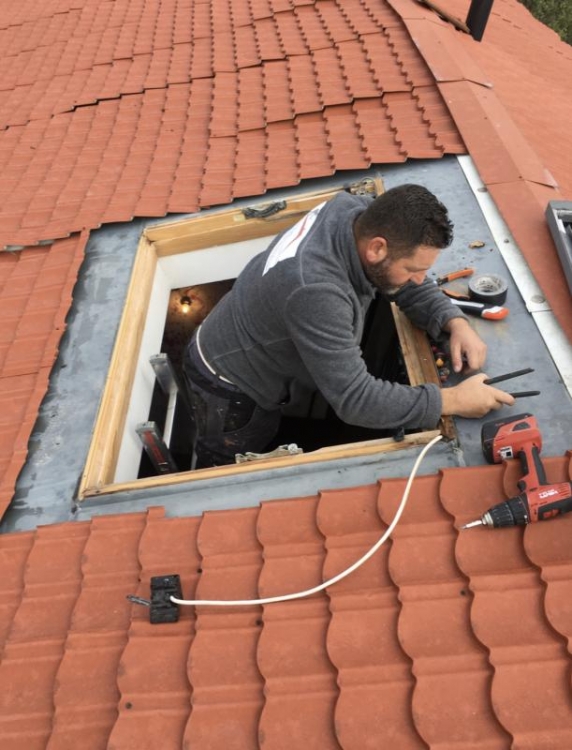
pixel 488 288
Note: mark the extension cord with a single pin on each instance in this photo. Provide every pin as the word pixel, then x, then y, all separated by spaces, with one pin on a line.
pixel 336 578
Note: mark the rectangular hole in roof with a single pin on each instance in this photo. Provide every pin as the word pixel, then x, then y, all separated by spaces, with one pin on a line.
pixel 202 255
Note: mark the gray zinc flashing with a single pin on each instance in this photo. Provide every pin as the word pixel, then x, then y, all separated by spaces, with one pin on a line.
pixel 47 486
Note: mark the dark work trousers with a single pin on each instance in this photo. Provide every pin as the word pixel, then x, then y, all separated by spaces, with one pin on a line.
pixel 227 421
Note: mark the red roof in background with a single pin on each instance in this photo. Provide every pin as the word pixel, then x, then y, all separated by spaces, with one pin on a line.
pixel 442 639
pixel 116 110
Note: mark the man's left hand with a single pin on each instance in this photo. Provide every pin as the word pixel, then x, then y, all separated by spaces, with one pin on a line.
pixel 464 342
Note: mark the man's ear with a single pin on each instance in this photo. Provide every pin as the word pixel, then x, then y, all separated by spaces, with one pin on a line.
pixel 376 250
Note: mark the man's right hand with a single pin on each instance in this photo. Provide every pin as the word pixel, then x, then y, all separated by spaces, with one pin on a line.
pixel 472 398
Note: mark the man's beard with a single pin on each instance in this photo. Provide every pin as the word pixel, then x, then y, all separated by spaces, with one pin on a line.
pixel 378 274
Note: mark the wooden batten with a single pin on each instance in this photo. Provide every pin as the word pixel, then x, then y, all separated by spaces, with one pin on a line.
pixel 419 360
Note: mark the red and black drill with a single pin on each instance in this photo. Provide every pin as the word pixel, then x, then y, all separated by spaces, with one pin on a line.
pixel 519 437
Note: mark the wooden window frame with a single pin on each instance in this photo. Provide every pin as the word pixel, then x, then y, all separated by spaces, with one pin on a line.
pixel 199 233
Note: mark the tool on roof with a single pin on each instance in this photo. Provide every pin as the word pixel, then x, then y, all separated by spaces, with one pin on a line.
pixel 488 288
pixel 519 437
pixel 460 274
pixel 478 309
pixel 509 376
pixel 485 296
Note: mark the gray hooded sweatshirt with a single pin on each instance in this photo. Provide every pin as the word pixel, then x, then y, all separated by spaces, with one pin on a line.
pixel 296 313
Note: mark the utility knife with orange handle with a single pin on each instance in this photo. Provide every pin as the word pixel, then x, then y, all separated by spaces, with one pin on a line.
pixel 480 310
pixel 461 274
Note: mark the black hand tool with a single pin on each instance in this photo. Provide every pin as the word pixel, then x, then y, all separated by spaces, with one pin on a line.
pixel 509 376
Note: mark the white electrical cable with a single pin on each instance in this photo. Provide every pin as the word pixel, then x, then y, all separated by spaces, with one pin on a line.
pixel 339 576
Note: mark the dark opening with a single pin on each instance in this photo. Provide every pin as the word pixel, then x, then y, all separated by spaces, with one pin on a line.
pixel 188 307
pixel 310 422
pixel 319 426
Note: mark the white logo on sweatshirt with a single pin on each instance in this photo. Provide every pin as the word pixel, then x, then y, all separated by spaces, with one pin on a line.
pixel 287 245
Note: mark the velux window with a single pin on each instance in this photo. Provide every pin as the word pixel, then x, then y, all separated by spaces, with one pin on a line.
pixel 143 434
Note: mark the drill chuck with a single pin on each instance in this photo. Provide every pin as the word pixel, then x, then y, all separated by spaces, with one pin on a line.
pixel 513 512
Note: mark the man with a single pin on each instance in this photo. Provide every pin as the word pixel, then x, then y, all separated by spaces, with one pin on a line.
pixel 296 315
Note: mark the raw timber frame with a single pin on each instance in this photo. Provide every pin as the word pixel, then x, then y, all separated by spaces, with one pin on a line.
pixel 200 233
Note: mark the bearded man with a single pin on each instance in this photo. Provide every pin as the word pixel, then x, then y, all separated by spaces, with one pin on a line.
pixel 295 317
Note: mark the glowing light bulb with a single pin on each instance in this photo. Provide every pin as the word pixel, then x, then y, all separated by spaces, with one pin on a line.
pixel 185 304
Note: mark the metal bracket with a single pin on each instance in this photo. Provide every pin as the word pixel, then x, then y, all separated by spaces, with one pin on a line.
pixel 282 450
pixel 265 211
pixel 366 186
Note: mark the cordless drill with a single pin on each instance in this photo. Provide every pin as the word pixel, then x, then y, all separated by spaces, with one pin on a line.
pixel 519 437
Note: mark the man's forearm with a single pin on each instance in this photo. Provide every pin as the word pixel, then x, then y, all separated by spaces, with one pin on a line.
pixel 427 307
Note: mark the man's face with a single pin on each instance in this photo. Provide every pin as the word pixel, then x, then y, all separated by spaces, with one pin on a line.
pixel 388 275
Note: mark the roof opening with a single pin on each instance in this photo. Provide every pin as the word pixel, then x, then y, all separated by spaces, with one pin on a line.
pixel 309 422
pixel 312 424
pixel 169 412
pixel 143 435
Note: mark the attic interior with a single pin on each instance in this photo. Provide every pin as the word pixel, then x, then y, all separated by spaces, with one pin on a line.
pixel 310 422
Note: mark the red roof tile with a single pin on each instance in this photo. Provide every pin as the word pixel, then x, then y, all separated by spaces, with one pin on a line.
pixel 313 31
pixel 152 678
pixel 341 128
pixel 277 95
pixel 331 84
pixel 435 640
pixel 282 159
pixel 337 20
pixel 312 146
pixel 250 156
pixel 357 69
pixel 304 92
pixel 406 118
pixel 290 35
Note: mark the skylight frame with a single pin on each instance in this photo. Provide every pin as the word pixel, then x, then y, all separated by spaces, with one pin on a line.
pixel 206 232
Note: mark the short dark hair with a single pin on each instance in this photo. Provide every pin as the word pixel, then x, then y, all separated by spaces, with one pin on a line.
pixel 406 216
